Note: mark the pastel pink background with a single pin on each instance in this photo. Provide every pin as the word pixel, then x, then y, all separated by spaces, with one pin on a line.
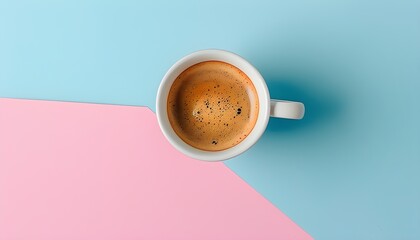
pixel 87 171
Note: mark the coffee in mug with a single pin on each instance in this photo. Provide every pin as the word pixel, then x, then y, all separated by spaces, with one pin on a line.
pixel 212 106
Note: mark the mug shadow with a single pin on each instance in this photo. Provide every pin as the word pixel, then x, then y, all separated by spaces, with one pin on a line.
pixel 322 105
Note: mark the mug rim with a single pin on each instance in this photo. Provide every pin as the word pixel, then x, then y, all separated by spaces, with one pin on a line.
pixel 213 55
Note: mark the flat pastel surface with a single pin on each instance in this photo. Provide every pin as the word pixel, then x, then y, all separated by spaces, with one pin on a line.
pixel 88 171
pixel 349 170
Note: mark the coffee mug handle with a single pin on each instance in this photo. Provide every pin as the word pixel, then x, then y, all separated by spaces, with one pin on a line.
pixel 286 109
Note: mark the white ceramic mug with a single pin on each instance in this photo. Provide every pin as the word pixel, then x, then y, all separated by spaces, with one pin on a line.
pixel 267 107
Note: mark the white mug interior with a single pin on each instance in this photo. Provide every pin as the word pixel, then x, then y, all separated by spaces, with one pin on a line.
pixel 215 55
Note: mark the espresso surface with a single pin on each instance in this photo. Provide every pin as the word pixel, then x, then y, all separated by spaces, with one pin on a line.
pixel 212 106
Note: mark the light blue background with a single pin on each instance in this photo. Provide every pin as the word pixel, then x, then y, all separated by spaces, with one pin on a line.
pixel 349 170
